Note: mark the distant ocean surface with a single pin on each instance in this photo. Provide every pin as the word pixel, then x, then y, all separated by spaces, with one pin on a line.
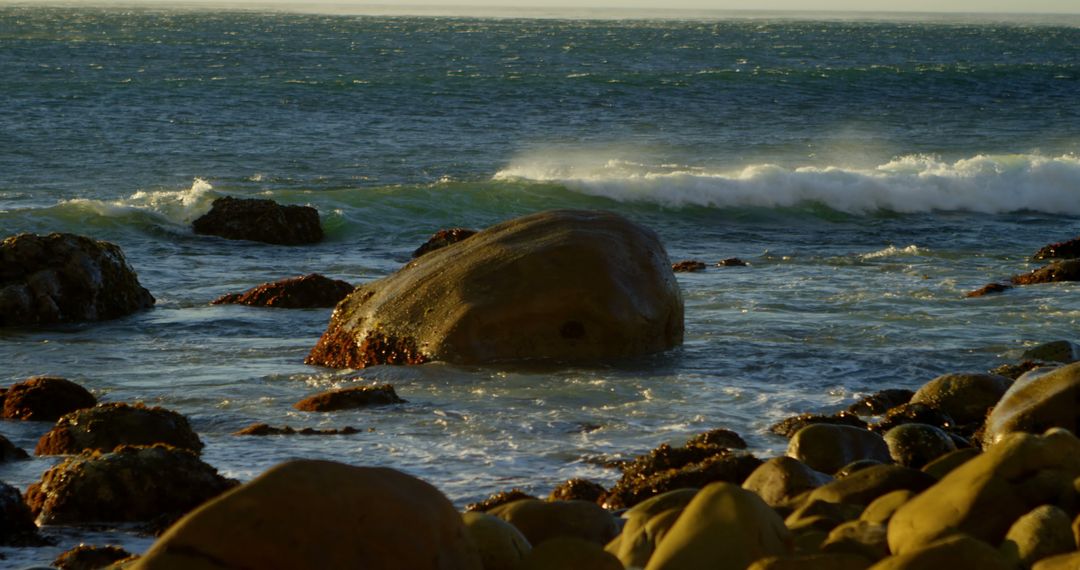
pixel 871 171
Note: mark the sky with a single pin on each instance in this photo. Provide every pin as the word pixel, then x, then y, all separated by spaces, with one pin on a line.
pixel 1007 6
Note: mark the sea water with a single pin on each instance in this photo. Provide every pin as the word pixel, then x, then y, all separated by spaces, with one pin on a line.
pixel 870 170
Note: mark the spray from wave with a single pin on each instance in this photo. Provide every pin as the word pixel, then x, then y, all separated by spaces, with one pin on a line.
pixel 175 206
pixel 908 184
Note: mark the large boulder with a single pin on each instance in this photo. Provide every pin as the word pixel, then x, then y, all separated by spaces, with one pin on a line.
pixel 306 292
pixel 562 285
pixel 65 278
pixel 915 445
pixel 45 398
pixel 106 426
pixel 317 515
pixel 985 495
pixel 1044 532
pixel 500 544
pixel 964 396
pixel 260 220
pixel 130 484
pixel 540 520
pixel 828 447
pixel 1037 401
pixel 660 471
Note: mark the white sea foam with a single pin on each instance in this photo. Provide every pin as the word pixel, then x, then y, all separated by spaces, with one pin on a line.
pixel 915 183
pixel 177 206
pixel 893 251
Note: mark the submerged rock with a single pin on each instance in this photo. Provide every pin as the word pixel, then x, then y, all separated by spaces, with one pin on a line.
pixel 688 266
pixel 11 452
pixel 65 278
pixel 349 398
pixel 1069 249
pixel 45 398
pixel 564 285
pixel 1056 272
pixel 443 238
pixel 307 292
pixel 266 429
pixel 988 289
pixel 320 514
pixel 129 484
pixel 106 426
pixel 260 220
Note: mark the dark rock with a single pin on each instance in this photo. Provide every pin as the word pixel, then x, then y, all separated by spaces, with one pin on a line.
pixel 988 289
pixel 500 498
pixel 656 474
pixel 732 262
pixel 579 286
pixel 45 398
pixel 1056 272
pixel 1063 351
pixel 719 437
pixel 64 278
pixel 11 452
pixel 577 490
pixel 881 402
pixel 856 466
pixel 266 429
pixel 260 220
pixel 1069 249
pixel 349 398
pixel 915 445
pixel 309 291
pixel 106 426
pixel 914 413
pixel 17 526
pixel 541 521
pixel 443 238
pixel 828 447
pixel 688 266
pixel 790 426
pixel 964 397
pixel 84 557
pixel 781 479
pixel 129 484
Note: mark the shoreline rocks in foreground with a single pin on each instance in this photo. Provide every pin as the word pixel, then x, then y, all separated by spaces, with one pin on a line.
pixel 562 285
pixel 65 278
pixel 260 220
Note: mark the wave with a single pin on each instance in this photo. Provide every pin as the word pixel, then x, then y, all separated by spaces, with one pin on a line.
pixel 988 184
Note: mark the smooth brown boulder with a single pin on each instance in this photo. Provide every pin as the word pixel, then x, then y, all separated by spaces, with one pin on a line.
pixel 956 552
pixel 565 553
pixel 828 447
pixel 866 485
pixel 1069 561
pixel 543 520
pixel 561 285
pixel 827 561
pixel 318 515
pixel 45 398
pixel 788 427
pixel 130 484
pixel 107 426
pixel 944 465
pixel 915 445
pixel 260 220
pixel 85 557
pixel 1044 532
pixel 647 523
pixel 443 238
pixel 65 278
pixel 881 509
pixel 966 397
pixel 500 544
pixel 305 292
pixel 349 398
pixel 1037 401
pixel 781 479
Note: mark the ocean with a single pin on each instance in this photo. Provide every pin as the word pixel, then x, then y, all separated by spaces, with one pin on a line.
pixel 870 170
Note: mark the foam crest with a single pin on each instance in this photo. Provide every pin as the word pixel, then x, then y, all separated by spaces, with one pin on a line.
pixel 176 206
pixel 907 184
pixel 893 251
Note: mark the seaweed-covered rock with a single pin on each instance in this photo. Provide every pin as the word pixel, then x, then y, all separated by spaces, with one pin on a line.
pixel 320 514
pixel 668 468
pixel 828 447
pixel 915 445
pixel 719 437
pixel 106 426
pixel 965 397
pixel 1056 272
pixel 790 426
pixel 732 262
pixel 443 238
pixel 866 485
pixel 577 490
pixel 563 285
pixel 500 498
pixel 65 278
pixel 688 266
pixel 1068 249
pixel 45 398
pixel 85 557
pixel 881 402
pixel 540 520
pixel 260 220
pixel 17 526
pixel 1037 401
pixel 349 398
pixel 129 484
pixel 914 413
pixel 306 292
pixel 988 289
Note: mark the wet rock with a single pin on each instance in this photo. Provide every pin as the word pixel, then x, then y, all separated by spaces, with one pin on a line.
pixel 306 292
pixel 1044 532
pixel 956 551
pixel 666 469
pixel 1014 371
pixel 878 403
pixel 500 544
pixel 129 484
pixel 567 553
pixel 500 498
pixel 65 278
pixel 1069 249
pixel 260 220
pixel 732 262
pixel 1056 272
pixel 266 429
pixel 788 427
pixel 579 286
pixel 84 557
pixel 915 445
pixel 964 397
pixel 350 398
pixel 988 289
pixel 688 266
pixel 540 520
pixel 577 490
pixel 985 495
pixel 719 437
pixel 863 487
pixel 781 479
pixel 914 413
pixel 828 447
pixel 106 426
pixel 1037 401
pixel 45 398
pixel 1063 351
pixel 723 528
pixel 320 514
pixel 17 526
pixel 11 452
pixel 443 238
